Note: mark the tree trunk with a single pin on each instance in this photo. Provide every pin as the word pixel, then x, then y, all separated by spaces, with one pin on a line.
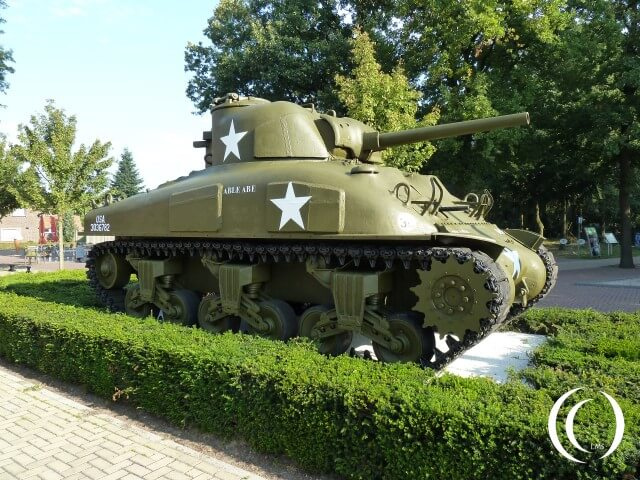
pixel 626 170
pixel 60 241
pixel 539 220
pixel 564 219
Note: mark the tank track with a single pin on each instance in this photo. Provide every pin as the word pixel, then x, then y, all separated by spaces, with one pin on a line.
pixel 335 254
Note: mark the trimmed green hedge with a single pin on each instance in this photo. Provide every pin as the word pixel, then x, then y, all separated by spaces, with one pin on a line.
pixel 356 418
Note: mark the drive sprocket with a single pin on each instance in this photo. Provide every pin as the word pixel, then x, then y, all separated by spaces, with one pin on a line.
pixel 464 293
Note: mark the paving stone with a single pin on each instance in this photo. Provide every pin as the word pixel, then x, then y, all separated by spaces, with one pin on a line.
pixel 32 473
pixel 58 466
pixel 100 463
pixel 64 456
pixel 159 473
pixel 50 475
pixel 138 470
pixel 145 460
pixel 13 469
pixel 131 476
pixel 180 466
pixel 23 459
pixel 118 466
pixel 209 468
pixel 175 475
pixel 222 475
pixel 163 462
pixel 94 473
pixel 203 476
pixel 116 475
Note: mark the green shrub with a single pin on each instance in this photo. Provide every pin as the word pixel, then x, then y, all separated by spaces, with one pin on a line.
pixel 68 286
pixel 356 418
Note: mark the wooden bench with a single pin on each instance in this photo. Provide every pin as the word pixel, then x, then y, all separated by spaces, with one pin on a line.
pixel 13 267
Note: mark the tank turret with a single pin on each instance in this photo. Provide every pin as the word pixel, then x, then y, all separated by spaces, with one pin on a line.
pixel 282 130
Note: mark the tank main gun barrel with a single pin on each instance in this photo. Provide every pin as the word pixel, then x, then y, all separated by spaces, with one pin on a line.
pixel 374 141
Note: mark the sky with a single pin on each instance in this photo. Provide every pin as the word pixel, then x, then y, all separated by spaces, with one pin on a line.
pixel 118 66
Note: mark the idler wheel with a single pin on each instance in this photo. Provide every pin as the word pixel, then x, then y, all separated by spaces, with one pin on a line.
pixel 212 319
pixel 133 304
pixel 411 342
pixel 184 307
pixel 280 319
pixel 112 271
pixel 336 344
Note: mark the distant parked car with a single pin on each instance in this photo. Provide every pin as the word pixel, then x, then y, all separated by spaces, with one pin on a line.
pixel 82 251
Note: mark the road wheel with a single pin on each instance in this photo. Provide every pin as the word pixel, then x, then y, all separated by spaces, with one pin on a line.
pixel 334 345
pixel 184 307
pixel 212 319
pixel 414 343
pixel 133 304
pixel 281 320
pixel 112 270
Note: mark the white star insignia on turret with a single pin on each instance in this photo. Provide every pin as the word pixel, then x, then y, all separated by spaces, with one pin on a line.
pixel 231 142
pixel 290 206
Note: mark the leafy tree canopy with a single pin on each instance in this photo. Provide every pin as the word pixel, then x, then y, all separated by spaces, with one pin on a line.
pixel 126 182
pixel 385 101
pixel 8 174
pixel 282 50
pixel 57 179
pixel 6 57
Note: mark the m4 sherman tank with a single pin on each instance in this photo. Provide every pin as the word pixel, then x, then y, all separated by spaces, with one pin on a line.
pixel 294 227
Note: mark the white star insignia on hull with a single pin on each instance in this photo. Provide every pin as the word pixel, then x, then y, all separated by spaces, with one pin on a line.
pixel 290 206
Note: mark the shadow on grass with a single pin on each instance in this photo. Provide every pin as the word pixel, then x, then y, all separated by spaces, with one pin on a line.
pixel 69 292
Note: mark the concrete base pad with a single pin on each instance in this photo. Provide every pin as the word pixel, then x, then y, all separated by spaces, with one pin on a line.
pixel 492 357
pixel 495 355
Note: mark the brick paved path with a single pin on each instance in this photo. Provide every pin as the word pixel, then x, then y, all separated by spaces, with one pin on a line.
pixel 597 284
pixel 44 435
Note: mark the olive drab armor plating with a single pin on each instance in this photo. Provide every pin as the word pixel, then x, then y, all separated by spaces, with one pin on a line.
pixel 295 227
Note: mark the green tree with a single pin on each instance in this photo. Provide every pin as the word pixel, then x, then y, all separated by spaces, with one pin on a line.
pixel 126 182
pixel 279 50
pixel 68 228
pixel 386 101
pixel 603 59
pixel 55 178
pixel 589 93
pixel 461 55
pixel 6 57
pixel 8 173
